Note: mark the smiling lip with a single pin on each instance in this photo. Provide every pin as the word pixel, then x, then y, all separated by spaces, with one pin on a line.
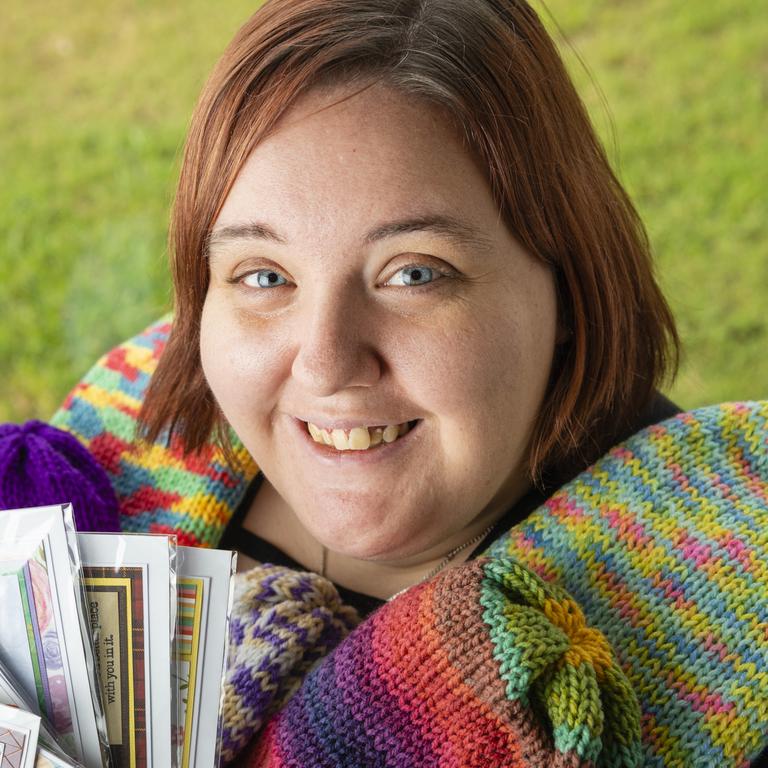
pixel 347 424
pixel 332 456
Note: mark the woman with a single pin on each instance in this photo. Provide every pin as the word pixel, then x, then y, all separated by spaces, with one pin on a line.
pixel 408 280
pixel 383 237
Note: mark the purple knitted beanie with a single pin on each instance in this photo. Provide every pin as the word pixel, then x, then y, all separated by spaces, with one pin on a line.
pixel 40 465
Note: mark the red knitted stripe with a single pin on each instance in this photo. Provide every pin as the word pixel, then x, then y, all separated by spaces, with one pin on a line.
pixel 183 538
pixel 108 450
pixel 146 499
pixel 458 726
pixel 116 361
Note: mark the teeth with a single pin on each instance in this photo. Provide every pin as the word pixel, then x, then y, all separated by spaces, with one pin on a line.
pixel 358 438
pixel 391 433
pixel 340 442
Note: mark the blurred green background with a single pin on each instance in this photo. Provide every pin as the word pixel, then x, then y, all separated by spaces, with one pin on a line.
pixel 94 102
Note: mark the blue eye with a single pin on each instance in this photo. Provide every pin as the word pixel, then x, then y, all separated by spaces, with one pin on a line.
pixel 413 275
pixel 264 278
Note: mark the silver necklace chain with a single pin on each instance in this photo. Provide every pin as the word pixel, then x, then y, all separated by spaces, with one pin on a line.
pixel 447 559
pixel 455 551
pixel 439 567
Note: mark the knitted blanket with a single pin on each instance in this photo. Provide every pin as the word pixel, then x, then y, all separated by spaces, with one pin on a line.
pixel 625 622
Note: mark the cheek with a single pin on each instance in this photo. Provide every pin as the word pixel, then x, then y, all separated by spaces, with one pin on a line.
pixel 241 363
pixel 486 382
pixel 494 361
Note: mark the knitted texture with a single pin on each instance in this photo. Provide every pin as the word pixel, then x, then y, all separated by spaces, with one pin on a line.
pixel 662 546
pixel 41 465
pixel 485 665
pixel 283 622
pixel 159 489
pixel 658 553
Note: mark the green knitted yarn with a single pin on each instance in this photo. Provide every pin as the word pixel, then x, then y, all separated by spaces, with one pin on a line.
pixel 160 488
pixel 664 544
pixel 564 670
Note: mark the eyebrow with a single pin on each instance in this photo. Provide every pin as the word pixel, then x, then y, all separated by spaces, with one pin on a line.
pixel 454 229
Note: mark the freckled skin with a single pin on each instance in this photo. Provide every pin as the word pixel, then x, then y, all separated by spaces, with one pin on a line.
pixel 468 354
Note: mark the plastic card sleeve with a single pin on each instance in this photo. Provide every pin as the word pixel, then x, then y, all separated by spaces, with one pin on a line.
pixel 18 737
pixel 205 593
pixel 12 695
pixel 44 641
pixel 130 589
pixel 47 758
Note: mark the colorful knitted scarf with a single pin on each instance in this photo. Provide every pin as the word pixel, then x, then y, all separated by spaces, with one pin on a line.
pixel 623 623
pixel 160 490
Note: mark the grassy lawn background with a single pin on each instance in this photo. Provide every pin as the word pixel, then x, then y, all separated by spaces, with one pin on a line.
pixel 95 102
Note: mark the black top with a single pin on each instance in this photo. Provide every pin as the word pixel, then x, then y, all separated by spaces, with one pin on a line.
pixel 239 538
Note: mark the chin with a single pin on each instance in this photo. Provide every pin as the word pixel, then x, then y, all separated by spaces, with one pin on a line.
pixel 360 532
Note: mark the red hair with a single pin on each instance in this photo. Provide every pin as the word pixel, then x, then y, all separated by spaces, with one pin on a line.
pixel 493 67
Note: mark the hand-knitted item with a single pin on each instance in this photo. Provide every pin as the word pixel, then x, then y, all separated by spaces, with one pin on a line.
pixel 159 489
pixel 485 665
pixel 283 621
pixel 662 545
pixel 41 465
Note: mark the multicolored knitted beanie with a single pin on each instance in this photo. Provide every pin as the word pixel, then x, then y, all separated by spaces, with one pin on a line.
pixel 282 623
pixel 644 580
pixel 486 665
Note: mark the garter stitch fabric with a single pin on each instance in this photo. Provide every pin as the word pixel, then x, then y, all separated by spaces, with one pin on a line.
pixel 158 488
pixel 42 465
pixel 656 556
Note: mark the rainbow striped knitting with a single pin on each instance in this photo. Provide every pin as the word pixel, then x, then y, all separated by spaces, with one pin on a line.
pixel 644 580
pixel 623 623
pixel 158 488
pixel 664 544
pixel 479 667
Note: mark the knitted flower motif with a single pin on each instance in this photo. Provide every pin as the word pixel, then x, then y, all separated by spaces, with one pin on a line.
pixel 484 665
pixel 664 545
pixel 552 661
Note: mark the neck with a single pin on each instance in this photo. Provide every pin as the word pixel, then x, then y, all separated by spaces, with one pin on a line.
pixel 272 519
pixel 383 579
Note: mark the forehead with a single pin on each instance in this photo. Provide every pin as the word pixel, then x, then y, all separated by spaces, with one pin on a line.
pixel 343 155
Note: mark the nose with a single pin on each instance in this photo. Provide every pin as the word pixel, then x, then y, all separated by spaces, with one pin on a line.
pixel 336 348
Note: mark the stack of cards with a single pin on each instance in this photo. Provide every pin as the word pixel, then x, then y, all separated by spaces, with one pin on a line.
pixel 112 646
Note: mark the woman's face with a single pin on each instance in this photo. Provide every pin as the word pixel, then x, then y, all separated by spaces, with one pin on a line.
pixel 361 278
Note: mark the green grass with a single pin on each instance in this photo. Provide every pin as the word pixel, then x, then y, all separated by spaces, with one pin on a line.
pixel 94 114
